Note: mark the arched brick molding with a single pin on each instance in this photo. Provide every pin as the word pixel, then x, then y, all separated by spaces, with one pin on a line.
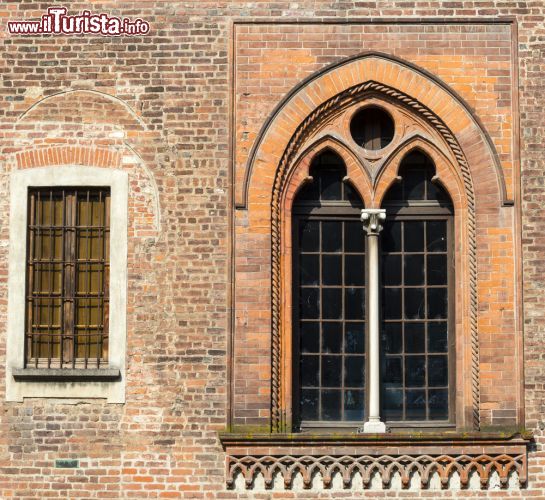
pixel 419 86
pixel 83 106
pixel 355 174
pixel 285 164
pixel 64 155
pixel 446 171
pixel 104 157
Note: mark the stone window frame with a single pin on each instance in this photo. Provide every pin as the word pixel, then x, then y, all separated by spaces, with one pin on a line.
pixel 107 382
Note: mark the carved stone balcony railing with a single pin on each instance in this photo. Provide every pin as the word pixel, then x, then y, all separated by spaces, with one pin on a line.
pixel 349 461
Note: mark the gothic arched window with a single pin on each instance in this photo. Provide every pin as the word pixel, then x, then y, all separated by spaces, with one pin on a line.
pixel 329 297
pixel 417 302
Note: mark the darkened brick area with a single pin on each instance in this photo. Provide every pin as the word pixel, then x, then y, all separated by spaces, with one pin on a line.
pixel 158 106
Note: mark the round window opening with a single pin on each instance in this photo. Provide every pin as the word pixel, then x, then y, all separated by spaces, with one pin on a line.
pixel 372 128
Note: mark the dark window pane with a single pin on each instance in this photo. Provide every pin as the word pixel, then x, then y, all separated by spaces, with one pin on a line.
pixel 414 303
pixel 414 184
pixel 332 337
pixel 391 337
pixel 392 371
pixel 331 371
pixel 413 236
pixel 391 237
pixel 332 270
pixel 437 303
pixel 350 194
pixel 415 371
pixel 437 371
pixel 393 404
pixel 437 269
pixel 391 307
pixel 331 236
pixel 354 270
pixel 309 236
pixel 331 186
pixel 353 404
pixel 437 336
pixel 436 235
pixel 310 269
pixel 355 305
pixel 415 338
pixel 354 369
pixel 331 303
pixel 438 403
pixel 436 192
pixel 310 192
pixel 309 404
pixel 354 237
pixel 310 366
pixel 355 337
pixel 310 303
pixel 331 404
pixel 395 192
pixel 391 269
pixel 310 337
pixel 414 269
pixel 415 401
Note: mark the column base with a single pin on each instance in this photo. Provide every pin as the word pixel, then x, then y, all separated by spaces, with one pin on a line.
pixel 373 427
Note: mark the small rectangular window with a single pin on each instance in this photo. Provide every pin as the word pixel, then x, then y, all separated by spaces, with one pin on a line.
pixel 67 302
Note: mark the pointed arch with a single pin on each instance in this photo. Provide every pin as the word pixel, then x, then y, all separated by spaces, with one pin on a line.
pixel 356 175
pixel 334 84
pixel 445 171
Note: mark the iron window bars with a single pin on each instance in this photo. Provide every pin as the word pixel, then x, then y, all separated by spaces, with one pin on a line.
pixel 67 300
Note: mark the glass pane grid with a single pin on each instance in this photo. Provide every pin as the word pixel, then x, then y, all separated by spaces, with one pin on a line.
pixel 415 320
pixel 68 269
pixel 332 320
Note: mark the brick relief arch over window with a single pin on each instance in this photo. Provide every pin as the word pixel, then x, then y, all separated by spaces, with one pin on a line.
pixel 319 111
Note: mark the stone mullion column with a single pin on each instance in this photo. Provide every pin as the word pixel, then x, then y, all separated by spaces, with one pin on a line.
pixel 372 219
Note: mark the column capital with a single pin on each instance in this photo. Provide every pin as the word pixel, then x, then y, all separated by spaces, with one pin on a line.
pixel 372 218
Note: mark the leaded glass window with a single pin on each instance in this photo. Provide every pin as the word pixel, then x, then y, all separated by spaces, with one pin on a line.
pixel 417 316
pixel 329 295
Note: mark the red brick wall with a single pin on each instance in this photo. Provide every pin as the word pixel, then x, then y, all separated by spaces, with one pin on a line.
pixel 167 123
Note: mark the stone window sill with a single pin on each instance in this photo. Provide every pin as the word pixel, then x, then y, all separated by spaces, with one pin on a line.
pixel 66 375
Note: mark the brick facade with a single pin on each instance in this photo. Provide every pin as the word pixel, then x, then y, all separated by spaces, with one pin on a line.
pixel 199 113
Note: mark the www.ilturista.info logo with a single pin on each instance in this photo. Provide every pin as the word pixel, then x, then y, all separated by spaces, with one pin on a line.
pixel 56 22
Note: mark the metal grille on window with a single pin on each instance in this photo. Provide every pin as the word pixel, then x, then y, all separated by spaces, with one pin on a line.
pixel 330 297
pixel 67 278
pixel 416 274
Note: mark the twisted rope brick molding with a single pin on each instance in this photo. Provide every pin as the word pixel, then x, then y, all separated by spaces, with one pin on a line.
pixel 304 130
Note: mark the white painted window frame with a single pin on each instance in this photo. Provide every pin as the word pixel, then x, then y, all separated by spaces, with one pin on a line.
pixel 68 176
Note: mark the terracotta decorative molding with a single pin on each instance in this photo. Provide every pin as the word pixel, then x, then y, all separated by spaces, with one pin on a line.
pixel 424 455
pixel 385 465
pixel 304 131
